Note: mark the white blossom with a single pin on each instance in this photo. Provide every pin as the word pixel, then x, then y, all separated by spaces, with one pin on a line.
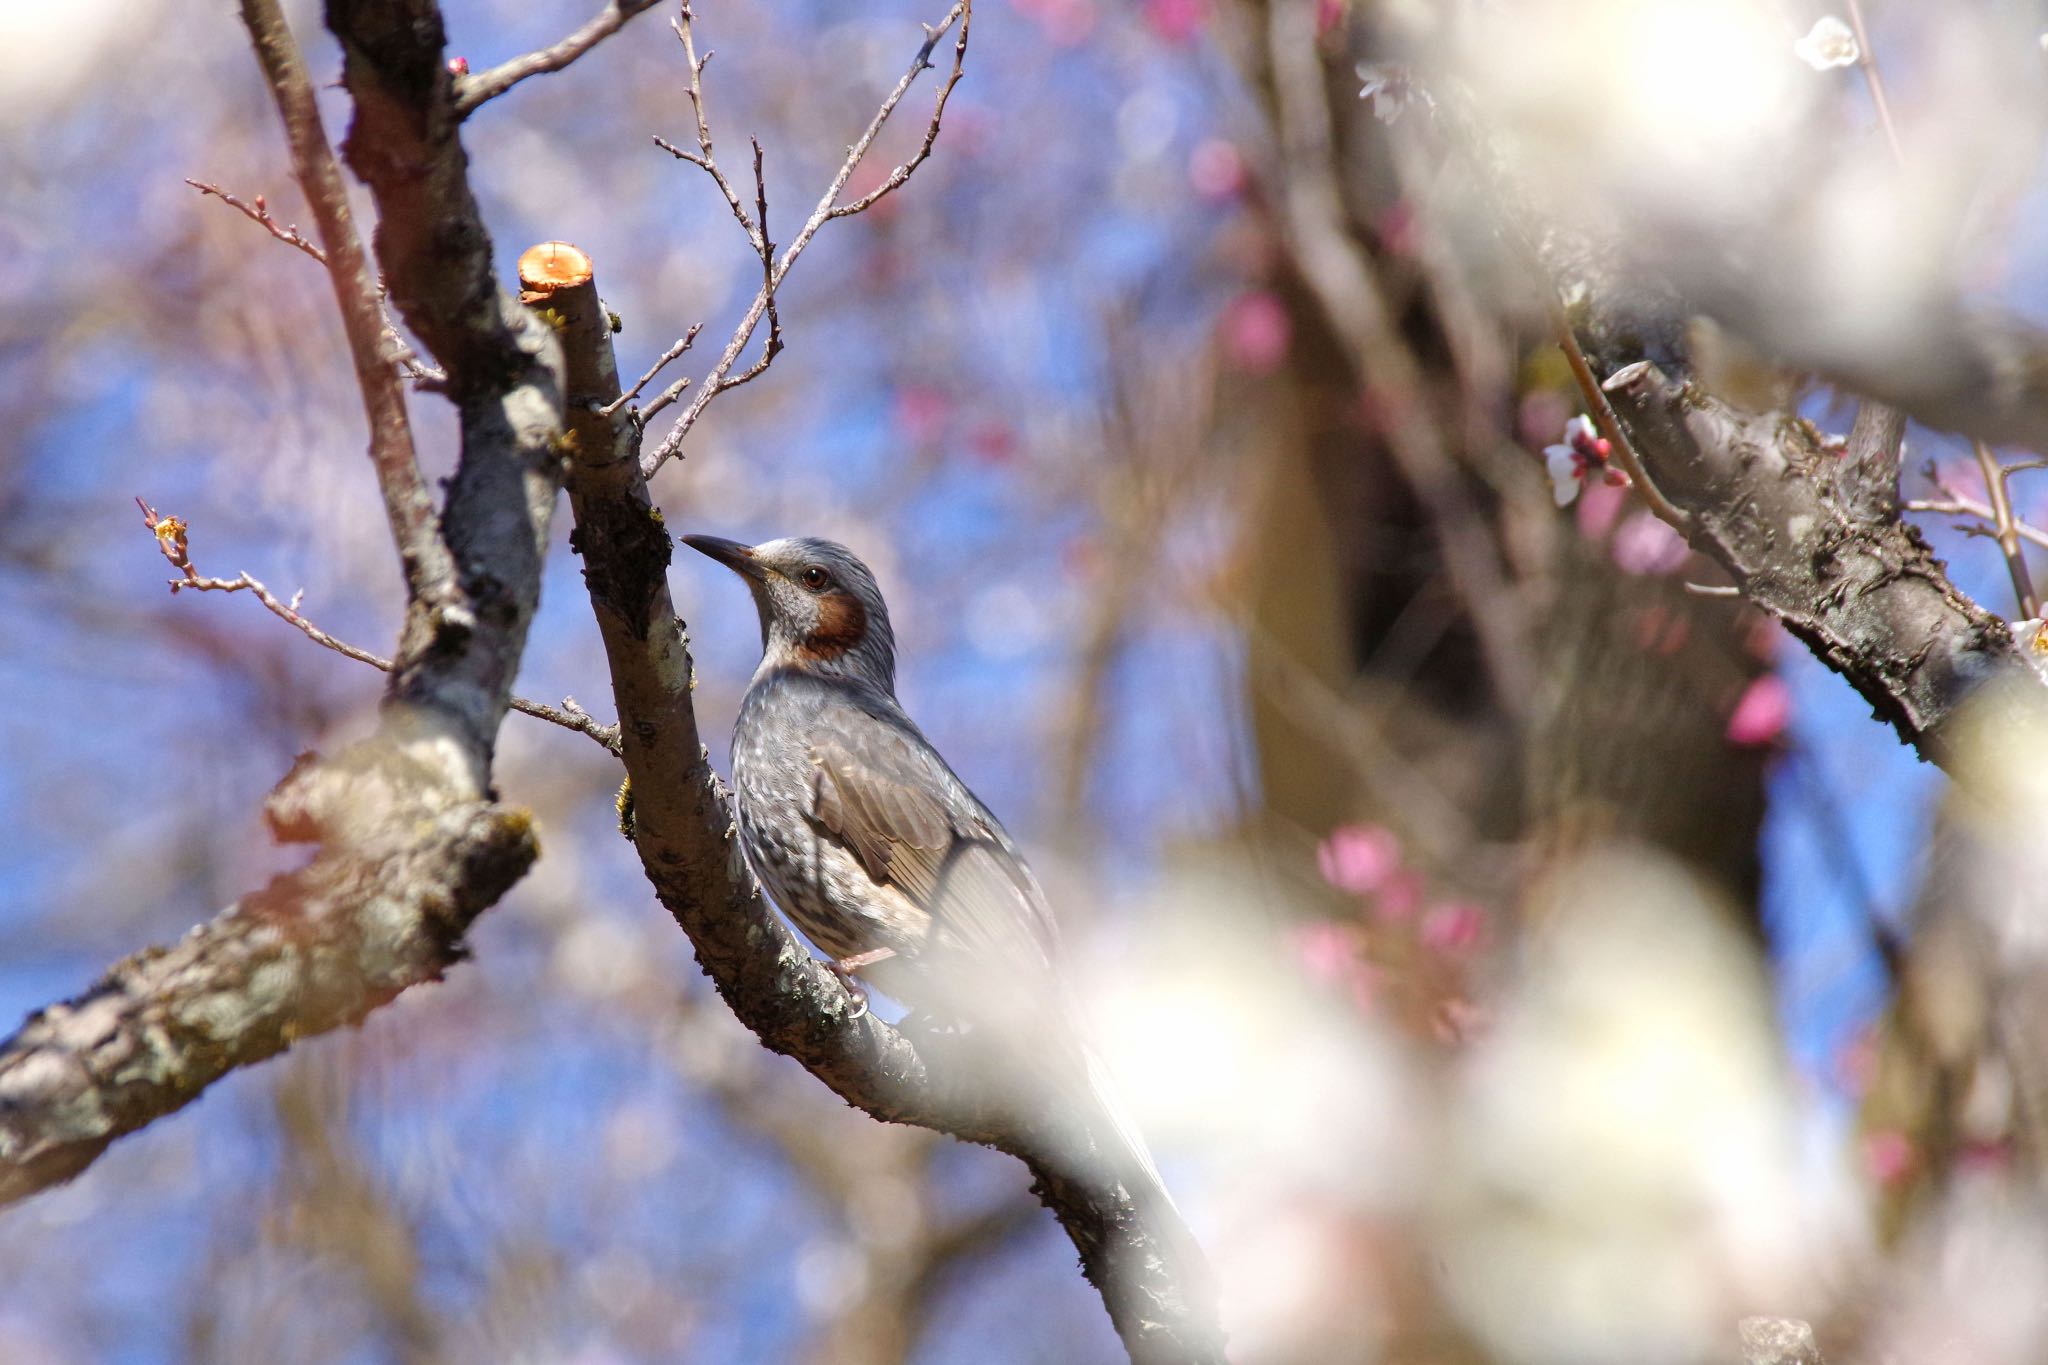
pixel 1828 44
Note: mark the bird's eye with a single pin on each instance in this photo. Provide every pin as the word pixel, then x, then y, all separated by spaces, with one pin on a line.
pixel 816 578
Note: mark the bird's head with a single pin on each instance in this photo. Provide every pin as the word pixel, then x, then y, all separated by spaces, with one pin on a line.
pixel 820 609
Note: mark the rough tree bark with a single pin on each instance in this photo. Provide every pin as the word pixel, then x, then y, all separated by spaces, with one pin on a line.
pixel 412 843
pixel 681 825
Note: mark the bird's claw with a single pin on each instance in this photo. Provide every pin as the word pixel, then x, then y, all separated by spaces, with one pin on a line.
pixel 853 988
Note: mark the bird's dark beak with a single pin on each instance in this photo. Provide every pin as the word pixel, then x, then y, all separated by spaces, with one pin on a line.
pixel 735 556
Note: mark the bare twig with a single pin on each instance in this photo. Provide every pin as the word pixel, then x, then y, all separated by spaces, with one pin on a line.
pixel 704 158
pixel 1610 427
pixel 766 250
pixel 720 379
pixel 1957 505
pixel 2007 529
pixel 894 180
pixel 472 91
pixel 173 539
pixel 1866 61
pixel 407 505
pixel 672 353
pixel 258 212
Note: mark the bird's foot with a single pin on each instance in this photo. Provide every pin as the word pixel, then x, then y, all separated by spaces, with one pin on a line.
pixel 845 967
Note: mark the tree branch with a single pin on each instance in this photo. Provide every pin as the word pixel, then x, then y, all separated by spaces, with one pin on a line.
pixel 502 360
pixel 682 827
pixel 719 380
pixel 471 92
pixel 1866 594
pixel 378 910
pixel 259 213
pixel 2006 530
pixel 406 504
pixel 411 845
pixel 171 538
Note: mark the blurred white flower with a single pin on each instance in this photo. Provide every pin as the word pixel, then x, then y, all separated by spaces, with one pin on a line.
pixel 1827 45
pixel 1390 88
pixel 1623 1177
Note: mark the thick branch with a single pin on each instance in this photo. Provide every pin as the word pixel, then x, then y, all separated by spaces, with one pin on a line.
pixel 1864 592
pixel 502 361
pixel 383 907
pixel 406 504
pixel 683 829
pixel 472 91
pixel 410 845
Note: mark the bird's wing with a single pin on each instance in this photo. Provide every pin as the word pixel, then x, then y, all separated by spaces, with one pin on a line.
pixel 885 793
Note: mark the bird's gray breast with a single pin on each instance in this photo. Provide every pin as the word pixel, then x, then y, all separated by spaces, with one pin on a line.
pixel 818 883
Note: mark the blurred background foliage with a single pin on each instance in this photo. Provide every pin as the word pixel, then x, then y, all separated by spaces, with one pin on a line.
pixel 1275 649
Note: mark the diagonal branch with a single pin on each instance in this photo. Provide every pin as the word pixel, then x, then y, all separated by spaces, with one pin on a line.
pixel 682 826
pixel 471 92
pixel 410 843
pixel 407 505
pixel 1863 592
pixel 259 213
pixel 720 379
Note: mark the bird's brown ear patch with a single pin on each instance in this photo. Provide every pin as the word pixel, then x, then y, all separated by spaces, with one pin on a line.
pixel 842 621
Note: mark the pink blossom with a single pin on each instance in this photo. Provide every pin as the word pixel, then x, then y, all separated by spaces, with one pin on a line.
pixel 1325 947
pixel 1399 893
pixel 1177 21
pixel 1216 169
pixel 1329 14
pixel 1888 1156
pixel 1645 545
pixel 1599 509
pixel 921 413
pixel 1065 22
pixel 1359 858
pixel 1455 927
pixel 994 441
pixel 1761 713
pixel 1331 954
pixel 1257 331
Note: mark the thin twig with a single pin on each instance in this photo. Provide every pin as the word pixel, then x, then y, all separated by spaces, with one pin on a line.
pixel 2007 530
pixel 173 540
pixel 1883 423
pixel 1866 61
pixel 1610 427
pixel 719 379
pixel 705 158
pixel 407 505
pixel 472 91
pixel 766 250
pixel 672 353
pixel 903 172
pixel 1954 504
pixel 258 212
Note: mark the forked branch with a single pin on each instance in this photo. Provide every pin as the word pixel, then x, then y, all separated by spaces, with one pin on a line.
pixel 775 269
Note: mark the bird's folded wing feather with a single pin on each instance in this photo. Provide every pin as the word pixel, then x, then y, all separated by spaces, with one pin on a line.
pixel 888 797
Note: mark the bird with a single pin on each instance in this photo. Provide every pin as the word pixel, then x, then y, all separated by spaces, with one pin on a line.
pixel 876 850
